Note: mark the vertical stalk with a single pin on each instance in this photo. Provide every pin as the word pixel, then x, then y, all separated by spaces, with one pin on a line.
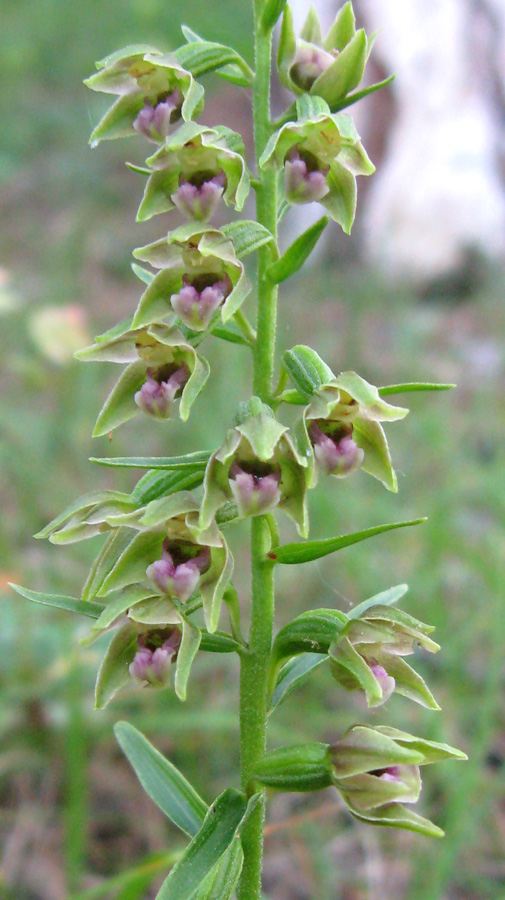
pixel 255 664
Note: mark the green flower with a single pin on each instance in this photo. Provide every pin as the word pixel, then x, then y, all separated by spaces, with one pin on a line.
pixel 153 90
pixel 367 655
pixel 260 467
pixel 376 771
pixel 192 170
pixel 321 155
pixel 200 278
pixel 162 368
pixel 328 68
pixel 342 425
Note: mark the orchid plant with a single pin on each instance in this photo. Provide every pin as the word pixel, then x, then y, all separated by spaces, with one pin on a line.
pixel 164 574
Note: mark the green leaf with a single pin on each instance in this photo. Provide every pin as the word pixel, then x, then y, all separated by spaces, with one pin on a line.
pixel 112 549
pixel 161 483
pixel 247 237
pixel 189 461
pixel 359 95
pixel 271 13
pixel 72 604
pixel 293 674
pixel 385 598
pixel 306 369
pixel 412 386
pixel 292 554
pixel 191 637
pixel 295 256
pixel 200 56
pixel 164 784
pixel 222 880
pixel 113 673
pixel 216 835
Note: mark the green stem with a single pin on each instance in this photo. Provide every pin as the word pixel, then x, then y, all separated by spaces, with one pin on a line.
pixel 255 664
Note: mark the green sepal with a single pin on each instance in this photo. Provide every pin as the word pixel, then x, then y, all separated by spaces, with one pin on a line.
pixel 116 541
pixel 286 49
pixel 432 751
pixel 305 551
pixel 302 767
pixel 299 251
pixel 190 644
pixel 345 73
pixel 311 28
pixel 85 517
pixel 343 29
pixel 163 783
pixel 353 672
pixel 113 673
pixel 359 95
pixel 395 815
pixel 385 598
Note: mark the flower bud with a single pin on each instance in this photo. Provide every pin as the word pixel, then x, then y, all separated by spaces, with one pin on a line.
pixel 309 63
pixel 255 487
pixel 160 389
pixel 198 197
pixel 304 180
pixel 153 659
pixel 334 449
pixel 177 573
pixel 153 122
pixel 196 302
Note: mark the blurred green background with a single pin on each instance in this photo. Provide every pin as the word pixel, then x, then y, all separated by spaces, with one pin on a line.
pixel 72 814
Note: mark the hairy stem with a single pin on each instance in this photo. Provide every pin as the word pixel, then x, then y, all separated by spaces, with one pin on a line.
pixel 255 663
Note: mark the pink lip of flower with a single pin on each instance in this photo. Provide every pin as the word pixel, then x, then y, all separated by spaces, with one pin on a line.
pixel 392 773
pixel 387 682
pixel 196 308
pixel 309 63
pixel 154 122
pixel 301 184
pixel 155 397
pixel 178 580
pixel 199 201
pixel 335 457
pixel 254 494
pixel 153 666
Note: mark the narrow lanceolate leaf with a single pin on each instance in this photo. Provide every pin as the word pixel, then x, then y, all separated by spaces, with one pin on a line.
pixel 271 13
pixel 412 386
pixel 385 598
pixel 188 461
pixel 359 95
pixel 291 554
pixel 164 784
pixel 295 256
pixel 162 483
pixel 293 674
pixel 247 237
pixel 72 604
pixel 222 880
pixel 216 835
